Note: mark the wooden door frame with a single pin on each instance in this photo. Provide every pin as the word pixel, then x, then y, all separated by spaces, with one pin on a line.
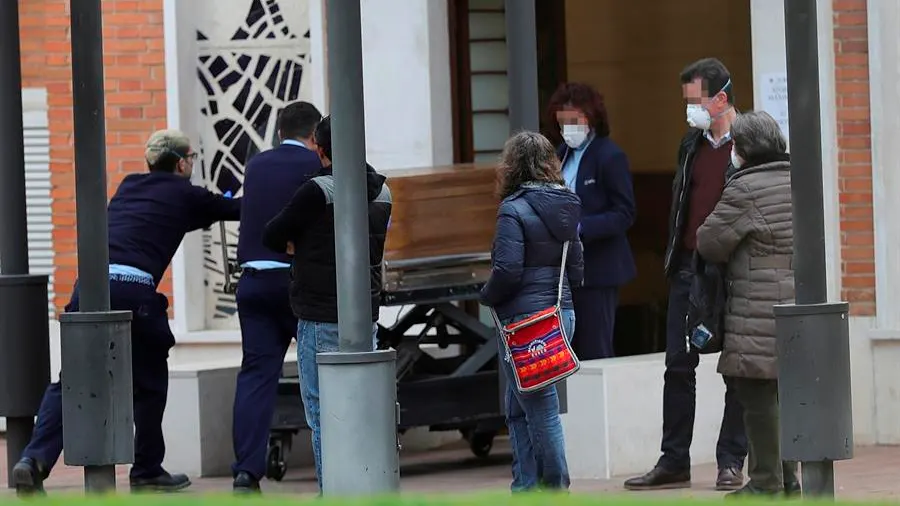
pixel 461 71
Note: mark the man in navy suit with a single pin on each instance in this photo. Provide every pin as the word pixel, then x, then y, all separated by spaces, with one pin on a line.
pixel 148 217
pixel 267 323
pixel 596 169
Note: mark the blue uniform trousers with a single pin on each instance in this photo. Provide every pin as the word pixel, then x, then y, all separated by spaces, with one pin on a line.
pixel 151 340
pixel 595 311
pixel 267 327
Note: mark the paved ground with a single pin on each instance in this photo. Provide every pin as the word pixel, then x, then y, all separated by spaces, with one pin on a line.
pixel 873 474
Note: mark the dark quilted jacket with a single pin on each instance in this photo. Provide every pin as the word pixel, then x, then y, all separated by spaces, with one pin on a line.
pixel 532 225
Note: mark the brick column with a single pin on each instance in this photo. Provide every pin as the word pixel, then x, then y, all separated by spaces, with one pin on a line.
pixel 854 156
pixel 135 103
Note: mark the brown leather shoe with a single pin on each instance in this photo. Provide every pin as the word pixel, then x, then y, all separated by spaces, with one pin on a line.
pixel 730 478
pixel 659 479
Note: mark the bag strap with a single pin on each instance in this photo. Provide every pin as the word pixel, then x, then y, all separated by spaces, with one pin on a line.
pixel 559 292
pixel 562 273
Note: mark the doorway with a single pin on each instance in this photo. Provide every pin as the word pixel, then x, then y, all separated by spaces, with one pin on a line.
pixel 633 53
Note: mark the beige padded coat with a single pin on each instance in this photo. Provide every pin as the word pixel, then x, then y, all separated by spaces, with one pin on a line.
pixel 751 229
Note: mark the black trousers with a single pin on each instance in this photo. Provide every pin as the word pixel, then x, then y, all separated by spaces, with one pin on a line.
pixel 595 321
pixel 680 393
pixel 151 339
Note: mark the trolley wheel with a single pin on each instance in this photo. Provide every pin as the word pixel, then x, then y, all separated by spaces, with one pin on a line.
pixel 481 443
pixel 276 467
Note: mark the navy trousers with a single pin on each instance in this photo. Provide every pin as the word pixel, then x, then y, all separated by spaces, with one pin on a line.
pixel 267 327
pixel 595 317
pixel 680 392
pixel 151 339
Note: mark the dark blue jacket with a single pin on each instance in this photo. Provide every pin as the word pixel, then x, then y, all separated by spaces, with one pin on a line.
pixel 270 180
pixel 150 214
pixel 532 225
pixel 604 185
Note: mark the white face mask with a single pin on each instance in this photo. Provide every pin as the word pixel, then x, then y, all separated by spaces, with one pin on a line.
pixel 575 135
pixel 735 160
pixel 698 117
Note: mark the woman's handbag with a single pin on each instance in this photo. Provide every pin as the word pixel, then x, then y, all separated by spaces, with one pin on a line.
pixel 537 347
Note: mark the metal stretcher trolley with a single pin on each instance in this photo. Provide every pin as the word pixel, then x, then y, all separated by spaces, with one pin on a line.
pixel 456 392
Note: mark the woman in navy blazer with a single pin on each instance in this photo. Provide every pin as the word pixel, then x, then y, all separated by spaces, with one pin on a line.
pixel 595 168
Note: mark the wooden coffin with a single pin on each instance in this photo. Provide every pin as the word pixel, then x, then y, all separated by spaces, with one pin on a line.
pixel 437 211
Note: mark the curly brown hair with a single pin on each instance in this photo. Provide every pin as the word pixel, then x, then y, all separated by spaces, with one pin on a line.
pixel 584 98
pixel 528 157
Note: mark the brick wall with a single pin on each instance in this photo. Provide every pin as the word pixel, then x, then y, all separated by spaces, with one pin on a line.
pixel 854 156
pixel 133 57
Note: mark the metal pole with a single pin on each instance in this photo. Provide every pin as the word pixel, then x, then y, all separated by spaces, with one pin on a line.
pixel 806 177
pixel 90 183
pixel 521 47
pixel 360 451
pixel 806 150
pixel 350 197
pixel 13 219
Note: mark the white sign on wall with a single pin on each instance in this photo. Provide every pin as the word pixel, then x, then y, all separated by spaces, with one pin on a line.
pixel 774 98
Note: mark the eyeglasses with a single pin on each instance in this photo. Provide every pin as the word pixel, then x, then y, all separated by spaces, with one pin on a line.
pixel 191 156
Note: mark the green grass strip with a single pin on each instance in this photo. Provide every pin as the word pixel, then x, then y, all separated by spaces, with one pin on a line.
pixel 493 499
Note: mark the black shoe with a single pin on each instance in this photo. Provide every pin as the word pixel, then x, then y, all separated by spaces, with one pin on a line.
pixel 660 478
pixel 729 478
pixel 163 483
pixel 749 491
pixel 792 489
pixel 28 477
pixel 245 484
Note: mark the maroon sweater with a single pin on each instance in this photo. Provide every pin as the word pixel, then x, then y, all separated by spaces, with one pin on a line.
pixel 706 184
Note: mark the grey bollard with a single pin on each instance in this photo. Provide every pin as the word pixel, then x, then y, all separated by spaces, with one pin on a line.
pixel 98 413
pixel 814 391
pixel 25 341
pixel 359 418
pixel 25 359
pixel 814 382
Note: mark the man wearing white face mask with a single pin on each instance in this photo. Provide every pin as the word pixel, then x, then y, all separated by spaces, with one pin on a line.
pixel 704 156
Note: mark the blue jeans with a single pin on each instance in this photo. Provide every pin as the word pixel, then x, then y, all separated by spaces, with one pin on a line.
pixel 535 430
pixel 313 338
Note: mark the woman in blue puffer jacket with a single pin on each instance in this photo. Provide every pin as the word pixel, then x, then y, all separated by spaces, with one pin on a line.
pixel 537 216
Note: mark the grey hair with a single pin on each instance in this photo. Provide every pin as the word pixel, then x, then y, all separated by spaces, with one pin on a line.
pixel 757 135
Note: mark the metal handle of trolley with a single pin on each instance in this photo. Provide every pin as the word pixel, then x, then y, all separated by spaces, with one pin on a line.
pixel 231 269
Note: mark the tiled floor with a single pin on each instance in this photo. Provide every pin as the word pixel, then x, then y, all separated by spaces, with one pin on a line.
pixel 873 474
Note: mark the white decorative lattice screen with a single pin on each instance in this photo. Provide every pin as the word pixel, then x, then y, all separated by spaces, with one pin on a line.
pixel 253 58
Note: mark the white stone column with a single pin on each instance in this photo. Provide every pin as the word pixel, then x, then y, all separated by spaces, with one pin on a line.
pixel 318 61
pixel 406 76
pixel 769 56
pixel 182 114
pixel 884 94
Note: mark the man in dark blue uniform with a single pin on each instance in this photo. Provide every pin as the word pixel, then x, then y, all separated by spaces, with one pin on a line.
pixel 267 323
pixel 148 218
